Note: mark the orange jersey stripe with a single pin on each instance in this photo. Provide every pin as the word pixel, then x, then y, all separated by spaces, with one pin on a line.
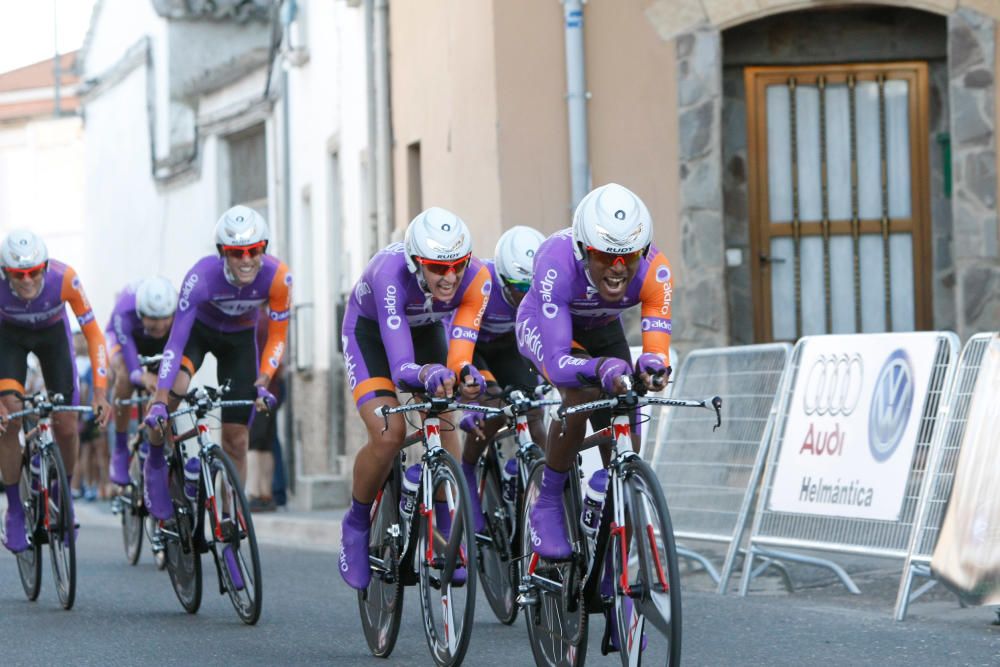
pixel 469 315
pixel 656 295
pixel 73 294
pixel 279 304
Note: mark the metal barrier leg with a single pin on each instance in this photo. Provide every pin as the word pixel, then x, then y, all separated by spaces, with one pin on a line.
pixel 684 552
pixel 818 562
pixel 903 596
pixel 747 572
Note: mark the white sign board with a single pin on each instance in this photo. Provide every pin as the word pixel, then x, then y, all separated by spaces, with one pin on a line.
pixel 852 425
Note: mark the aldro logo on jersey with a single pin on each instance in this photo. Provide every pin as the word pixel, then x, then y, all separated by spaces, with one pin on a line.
pixel 389 300
pixel 548 281
pixel 184 302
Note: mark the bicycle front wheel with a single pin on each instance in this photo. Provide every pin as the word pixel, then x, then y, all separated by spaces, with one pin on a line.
pixel 29 561
pixel 651 569
pixel 238 559
pixel 497 570
pixel 183 561
pixel 381 604
pixel 61 527
pixel 556 618
pixel 132 517
pixel 446 555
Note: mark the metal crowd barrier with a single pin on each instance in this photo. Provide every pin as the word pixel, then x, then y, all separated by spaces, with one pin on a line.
pixel 710 477
pixel 775 531
pixel 943 464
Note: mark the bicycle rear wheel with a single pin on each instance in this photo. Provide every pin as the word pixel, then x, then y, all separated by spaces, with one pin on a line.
pixel 496 567
pixel 448 603
pixel 557 621
pixel 238 559
pixel 29 561
pixel 652 571
pixel 183 561
pixel 381 604
pixel 133 513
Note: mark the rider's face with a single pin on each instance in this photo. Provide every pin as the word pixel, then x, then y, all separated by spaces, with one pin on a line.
pixel 26 286
pixel 243 267
pixel 157 327
pixel 443 287
pixel 612 274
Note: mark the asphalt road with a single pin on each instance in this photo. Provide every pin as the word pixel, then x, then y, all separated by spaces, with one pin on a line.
pixel 128 615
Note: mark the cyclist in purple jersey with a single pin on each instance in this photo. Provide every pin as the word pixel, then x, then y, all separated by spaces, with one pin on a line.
pixel 569 326
pixel 393 336
pixel 139 325
pixel 34 292
pixel 217 312
pixel 496 355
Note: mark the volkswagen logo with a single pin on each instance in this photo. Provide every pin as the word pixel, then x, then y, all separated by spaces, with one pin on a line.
pixel 833 385
pixel 891 405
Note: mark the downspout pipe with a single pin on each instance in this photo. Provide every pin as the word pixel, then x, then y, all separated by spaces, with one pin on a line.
pixel 383 123
pixel 576 100
pixel 370 237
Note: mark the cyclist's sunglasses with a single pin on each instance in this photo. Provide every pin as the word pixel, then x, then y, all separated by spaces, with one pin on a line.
pixel 518 285
pixel 29 273
pixel 611 259
pixel 244 251
pixel 440 268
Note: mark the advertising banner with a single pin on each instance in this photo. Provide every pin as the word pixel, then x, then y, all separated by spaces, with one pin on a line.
pixel 967 555
pixel 852 425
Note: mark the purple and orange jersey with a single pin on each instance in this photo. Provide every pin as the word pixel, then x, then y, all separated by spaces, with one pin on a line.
pixel 562 299
pixel 207 295
pixel 390 295
pixel 499 317
pixel 61 286
pixel 124 327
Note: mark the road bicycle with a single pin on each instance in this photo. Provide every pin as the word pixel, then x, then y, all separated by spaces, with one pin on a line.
pixel 45 493
pixel 211 513
pixel 128 502
pixel 501 498
pixel 634 535
pixel 406 552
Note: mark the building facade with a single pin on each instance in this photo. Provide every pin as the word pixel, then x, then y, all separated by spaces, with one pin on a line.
pixel 809 168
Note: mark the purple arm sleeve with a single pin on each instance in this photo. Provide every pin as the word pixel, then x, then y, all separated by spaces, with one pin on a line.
pixel 181 329
pixel 121 330
pixel 390 300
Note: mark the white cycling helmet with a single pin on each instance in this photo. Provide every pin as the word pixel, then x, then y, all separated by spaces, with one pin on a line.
pixel 241 226
pixel 612 219
pixel 23 250
pixel 436 234
pixel 515 253
pixel 156 298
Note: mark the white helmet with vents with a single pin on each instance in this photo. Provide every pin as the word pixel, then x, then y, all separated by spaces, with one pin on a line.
pixel 241 226
pixel 515 254
pixel 438 235
pixel 612 219
pixel 23 249
pixel 156 298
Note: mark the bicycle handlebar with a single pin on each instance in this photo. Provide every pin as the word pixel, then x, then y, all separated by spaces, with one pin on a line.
pixel 150 360
pixel 630 400
pixel 138 400
pixel 46 408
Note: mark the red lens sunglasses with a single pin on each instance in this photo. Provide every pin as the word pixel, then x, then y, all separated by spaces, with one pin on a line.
pixel 612 258
pixel 440 268
pixel 244 251
pixel 26 274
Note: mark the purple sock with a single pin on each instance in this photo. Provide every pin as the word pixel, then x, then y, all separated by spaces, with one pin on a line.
pixel 553 482
pixel 13 492
pixel 359 515
pixel 121 439
pixel 156 458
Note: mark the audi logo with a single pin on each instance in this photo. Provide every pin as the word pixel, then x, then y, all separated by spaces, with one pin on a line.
pixel 833 385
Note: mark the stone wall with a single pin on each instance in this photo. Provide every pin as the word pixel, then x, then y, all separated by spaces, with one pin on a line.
pixel 972 74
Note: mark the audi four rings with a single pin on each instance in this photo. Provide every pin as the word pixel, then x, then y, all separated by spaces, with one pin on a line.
pixel 833 385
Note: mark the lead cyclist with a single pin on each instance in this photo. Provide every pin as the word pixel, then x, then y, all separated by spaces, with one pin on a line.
pixel 569 325
pixel 392 334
